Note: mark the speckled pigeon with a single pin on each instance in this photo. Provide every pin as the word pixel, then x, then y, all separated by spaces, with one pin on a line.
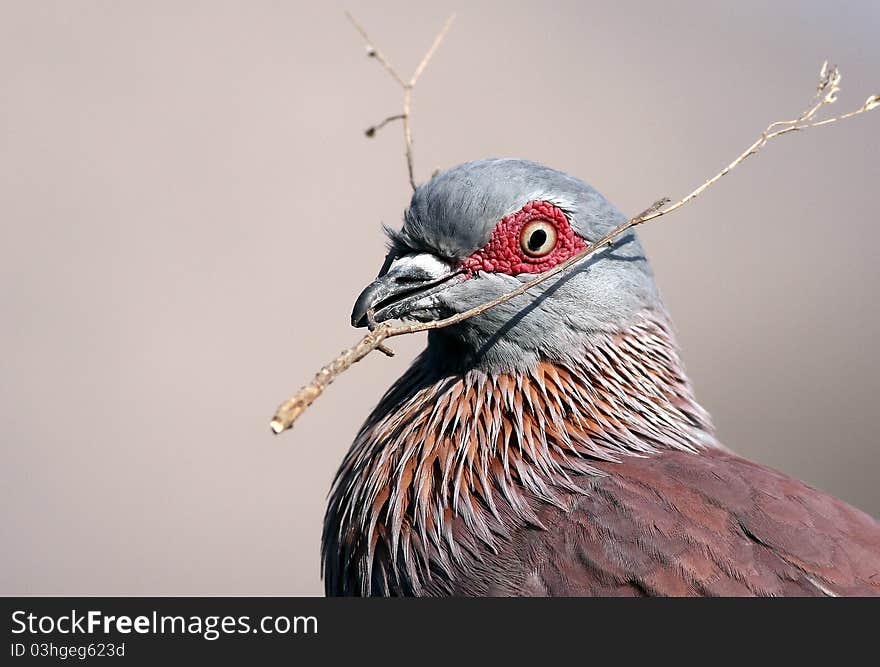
pixel 553 445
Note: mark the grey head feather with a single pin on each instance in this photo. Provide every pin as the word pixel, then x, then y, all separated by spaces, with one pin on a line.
pixel 453 215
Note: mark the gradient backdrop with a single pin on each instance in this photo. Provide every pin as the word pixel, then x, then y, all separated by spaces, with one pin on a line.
pixel 188 208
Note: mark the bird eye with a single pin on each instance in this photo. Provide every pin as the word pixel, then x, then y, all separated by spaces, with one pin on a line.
pixel 538 238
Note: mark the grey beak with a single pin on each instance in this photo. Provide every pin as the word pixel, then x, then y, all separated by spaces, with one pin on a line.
pixel 404 287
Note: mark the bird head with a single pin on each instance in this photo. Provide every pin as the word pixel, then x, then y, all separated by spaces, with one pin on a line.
pixel 480 230
pixel 512 404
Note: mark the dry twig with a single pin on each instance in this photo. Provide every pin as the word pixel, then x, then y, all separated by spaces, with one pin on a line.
pixel 826 94
pixel 407 86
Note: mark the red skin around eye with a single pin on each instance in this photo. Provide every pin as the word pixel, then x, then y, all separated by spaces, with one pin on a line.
pixel 503 254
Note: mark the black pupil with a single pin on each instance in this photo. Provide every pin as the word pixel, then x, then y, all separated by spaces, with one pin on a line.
pixel 537 239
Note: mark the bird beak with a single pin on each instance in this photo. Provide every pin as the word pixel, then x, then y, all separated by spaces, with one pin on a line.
pixel 405 285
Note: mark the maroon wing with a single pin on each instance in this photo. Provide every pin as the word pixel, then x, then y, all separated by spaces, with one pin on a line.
pixel 691 524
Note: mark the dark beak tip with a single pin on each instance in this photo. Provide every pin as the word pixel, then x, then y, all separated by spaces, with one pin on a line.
pixel 365 301
pixel 358 317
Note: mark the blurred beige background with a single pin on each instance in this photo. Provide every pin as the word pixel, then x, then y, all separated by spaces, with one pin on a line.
pixel 188 209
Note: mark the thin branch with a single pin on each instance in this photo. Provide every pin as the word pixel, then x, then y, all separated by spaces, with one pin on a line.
pixel 371 131
pixel 826 94
pixel 407 137
pixel 430 54
pixel 373 52
pixel 293 408
pixel 407 86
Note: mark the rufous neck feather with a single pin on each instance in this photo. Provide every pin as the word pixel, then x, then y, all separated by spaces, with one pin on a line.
pixel 442 459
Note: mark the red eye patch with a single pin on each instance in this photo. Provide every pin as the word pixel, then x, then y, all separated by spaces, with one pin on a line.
pixel 506 250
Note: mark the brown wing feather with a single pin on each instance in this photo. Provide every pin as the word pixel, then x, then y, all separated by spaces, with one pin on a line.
pixel 682 524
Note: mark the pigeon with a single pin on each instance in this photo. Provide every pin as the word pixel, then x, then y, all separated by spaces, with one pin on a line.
pixel 552 445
